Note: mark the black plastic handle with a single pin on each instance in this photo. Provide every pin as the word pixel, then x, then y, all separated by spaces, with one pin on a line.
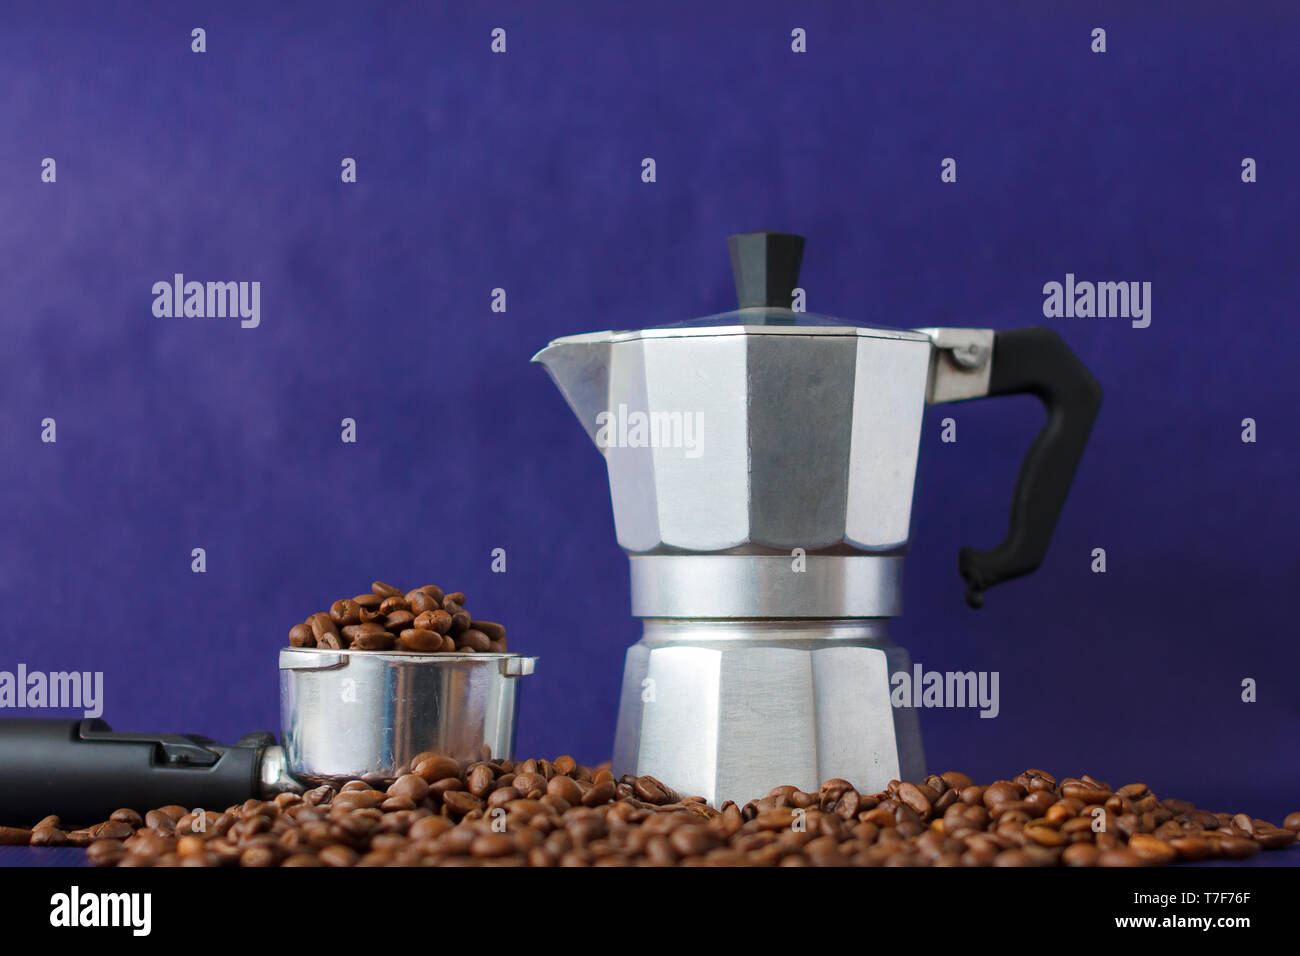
pixel 765 266
pixel 1035 361
pixel 82 771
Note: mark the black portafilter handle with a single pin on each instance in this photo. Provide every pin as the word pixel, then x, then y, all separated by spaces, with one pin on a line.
pixel 81 771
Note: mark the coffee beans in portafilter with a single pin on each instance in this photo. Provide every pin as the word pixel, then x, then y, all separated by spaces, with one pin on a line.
pixel 444 812
pixel 387 619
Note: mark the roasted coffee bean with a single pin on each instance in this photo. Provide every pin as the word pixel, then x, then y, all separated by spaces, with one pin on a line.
pixel 435 767
pixel 492 845
pixel 461 802
pixel 566 789
pixel 420 602
pixel 322 624
pixel 1037 780
pixel 480 780
pixel 1150 849
pixel 1273 839
pixel 1238 848
pixel 301 635
pixel 106 852
pixel 416 639
pixel 474 639
pixel 530 784
pixel 320 795
pixel 460 621
pixel 957 781
pixel 385 590
pixel 15 836
pixel 374 642
pixel 566 765
pixel 111 830
pixel 398 621
pixel 848 806
pixel 1191 848
pixel 48 836
pixel 1080 854
pixel 424 621
pixel 1118 857
pixel 493 630
pixel 600 794
pixel 1088 794
pixel 160 822
pixel 344 612
pixel 429 828
pixel 194 846
pixel 410 786
pixel 333 642
pixel 651 790
pixel 128 816
pixel 511 799
pixel 913 797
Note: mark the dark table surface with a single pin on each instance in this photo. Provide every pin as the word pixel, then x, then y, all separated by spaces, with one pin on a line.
pixel 66 856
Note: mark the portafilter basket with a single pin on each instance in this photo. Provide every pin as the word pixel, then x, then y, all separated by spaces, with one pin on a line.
pixel 349 715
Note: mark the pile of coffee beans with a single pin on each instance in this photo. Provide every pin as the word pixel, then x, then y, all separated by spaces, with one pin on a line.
pixel 543 813
pixel 425 620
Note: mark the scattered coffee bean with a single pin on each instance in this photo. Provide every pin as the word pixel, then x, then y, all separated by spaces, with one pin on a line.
pixel 445 813
pixel 106 852
pixel 15 836
pixel 48 836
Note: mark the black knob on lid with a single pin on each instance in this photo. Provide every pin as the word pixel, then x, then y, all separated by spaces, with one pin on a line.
pixel 766 267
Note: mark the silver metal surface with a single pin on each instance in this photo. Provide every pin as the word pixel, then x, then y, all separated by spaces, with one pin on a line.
pixel 363 715
pixel 729 709
pixel 808 437
pixel 960 365
pixel 773 585
pixel 274 773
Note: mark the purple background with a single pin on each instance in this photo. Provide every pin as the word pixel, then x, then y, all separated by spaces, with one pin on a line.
pixel 523 171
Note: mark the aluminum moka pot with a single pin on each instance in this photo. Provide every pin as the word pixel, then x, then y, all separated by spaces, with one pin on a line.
pixel 761 467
